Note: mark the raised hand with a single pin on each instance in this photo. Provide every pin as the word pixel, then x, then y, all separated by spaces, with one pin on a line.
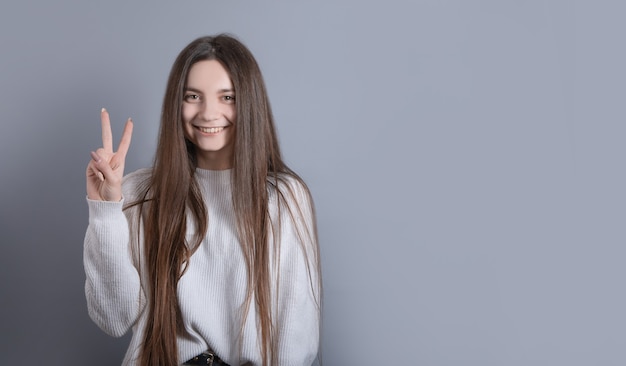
pixel 106 168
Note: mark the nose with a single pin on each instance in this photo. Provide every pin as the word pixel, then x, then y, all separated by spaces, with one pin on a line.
pixel 209 111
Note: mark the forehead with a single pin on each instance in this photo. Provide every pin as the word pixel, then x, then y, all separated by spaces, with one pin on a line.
pixel 208 74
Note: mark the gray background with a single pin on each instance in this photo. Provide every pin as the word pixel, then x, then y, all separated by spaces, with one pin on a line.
pixel 466 158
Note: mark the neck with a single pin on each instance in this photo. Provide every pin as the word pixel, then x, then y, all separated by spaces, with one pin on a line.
pixel 214 161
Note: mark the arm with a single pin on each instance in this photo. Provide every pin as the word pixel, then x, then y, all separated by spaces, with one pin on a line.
pixel 112 285
pixel 299 283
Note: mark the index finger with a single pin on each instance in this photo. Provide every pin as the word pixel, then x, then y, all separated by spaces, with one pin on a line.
pixel 107 135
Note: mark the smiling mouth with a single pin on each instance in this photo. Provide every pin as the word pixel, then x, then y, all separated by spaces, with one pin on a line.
pixel 210 129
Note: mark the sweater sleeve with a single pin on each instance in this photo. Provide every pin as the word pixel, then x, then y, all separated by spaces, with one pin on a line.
pixel 112 287
pixel 299 282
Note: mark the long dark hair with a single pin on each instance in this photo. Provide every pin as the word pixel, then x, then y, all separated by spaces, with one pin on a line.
pixel 257 165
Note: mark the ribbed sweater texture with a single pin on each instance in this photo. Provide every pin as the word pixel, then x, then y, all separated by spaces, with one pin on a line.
pixel 212 290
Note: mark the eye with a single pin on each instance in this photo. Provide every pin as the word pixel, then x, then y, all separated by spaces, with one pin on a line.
pixel 191 98
pixel 229 98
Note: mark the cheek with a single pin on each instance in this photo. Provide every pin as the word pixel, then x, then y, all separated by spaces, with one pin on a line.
pixel 231 114
pixel 187 113
pixel 187 116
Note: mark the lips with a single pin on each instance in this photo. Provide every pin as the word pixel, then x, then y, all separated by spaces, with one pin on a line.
pixel 210 129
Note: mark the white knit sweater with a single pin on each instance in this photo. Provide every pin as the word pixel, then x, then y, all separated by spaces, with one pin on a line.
pixel 212 290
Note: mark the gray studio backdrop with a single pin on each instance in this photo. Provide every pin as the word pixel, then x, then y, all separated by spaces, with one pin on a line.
pixel 466 158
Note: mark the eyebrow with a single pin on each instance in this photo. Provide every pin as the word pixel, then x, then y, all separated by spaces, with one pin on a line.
pixel 200 91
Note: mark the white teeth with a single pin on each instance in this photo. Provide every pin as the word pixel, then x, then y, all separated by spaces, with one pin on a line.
pixel 211 129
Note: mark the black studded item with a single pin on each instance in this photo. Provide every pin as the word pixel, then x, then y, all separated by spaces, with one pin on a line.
pixel 206 358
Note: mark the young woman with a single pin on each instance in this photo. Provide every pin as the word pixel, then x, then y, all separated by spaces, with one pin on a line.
pixel 212 253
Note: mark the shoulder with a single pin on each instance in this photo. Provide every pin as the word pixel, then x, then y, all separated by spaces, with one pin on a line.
pixel 139 174
pixel 290 187
pixel 290 191
pixel 136 182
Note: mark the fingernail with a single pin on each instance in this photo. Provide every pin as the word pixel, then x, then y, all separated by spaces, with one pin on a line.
pixel 103 110
pixel 100 176
pixel 95 157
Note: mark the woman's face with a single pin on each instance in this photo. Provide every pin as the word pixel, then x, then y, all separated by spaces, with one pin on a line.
pixel 209 114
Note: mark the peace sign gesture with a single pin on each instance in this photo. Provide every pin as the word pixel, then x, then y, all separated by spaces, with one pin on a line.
pixel 106 168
